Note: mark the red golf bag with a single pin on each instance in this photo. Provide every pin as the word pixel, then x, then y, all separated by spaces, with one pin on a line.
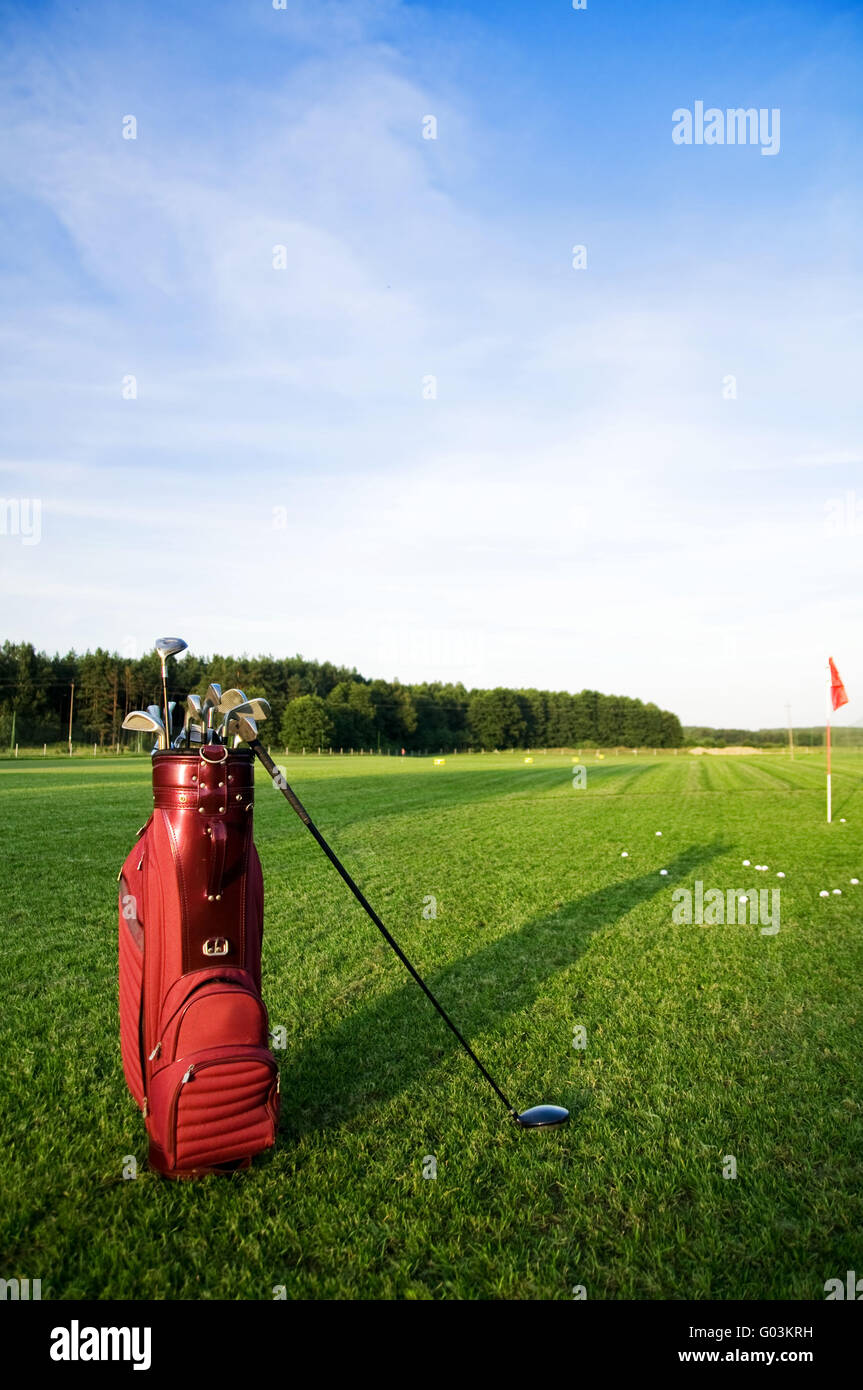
pixel 194 1031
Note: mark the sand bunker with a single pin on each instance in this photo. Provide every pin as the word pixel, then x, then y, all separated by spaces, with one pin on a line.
pixel 735 749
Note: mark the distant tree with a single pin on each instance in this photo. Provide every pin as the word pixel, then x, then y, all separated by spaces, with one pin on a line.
pixel 306 723
pixel 672 733
pixel 610 720
pixel 495 718
pixel 534 711
pixel 395 715
pixel 353 714
pixel 560 728
pixel 585 708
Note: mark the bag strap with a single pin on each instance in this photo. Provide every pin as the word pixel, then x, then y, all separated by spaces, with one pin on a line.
pixel 218 836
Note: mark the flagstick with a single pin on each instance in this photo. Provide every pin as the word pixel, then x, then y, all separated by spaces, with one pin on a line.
pixel 829 808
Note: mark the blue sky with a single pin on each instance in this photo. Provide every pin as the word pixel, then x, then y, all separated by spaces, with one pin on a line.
pixel 581 503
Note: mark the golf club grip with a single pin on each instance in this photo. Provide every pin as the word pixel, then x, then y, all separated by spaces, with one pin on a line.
pixel 279 781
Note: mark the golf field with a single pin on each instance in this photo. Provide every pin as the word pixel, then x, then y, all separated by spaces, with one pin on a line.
pixel 715 1149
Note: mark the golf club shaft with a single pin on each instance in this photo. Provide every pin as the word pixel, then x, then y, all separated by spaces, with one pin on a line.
pixel 167 710
pixel 290 796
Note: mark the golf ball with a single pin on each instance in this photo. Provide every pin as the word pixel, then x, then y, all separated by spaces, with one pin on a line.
pixel 663 872
pixel 625 854
pixel 855 880
pixel 746 863
pixel 824 893
pixel 780 874
pixel 841 820
pixel 838 892
pixel 659 832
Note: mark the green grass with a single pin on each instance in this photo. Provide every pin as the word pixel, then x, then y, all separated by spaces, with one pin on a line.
pixel 701 1041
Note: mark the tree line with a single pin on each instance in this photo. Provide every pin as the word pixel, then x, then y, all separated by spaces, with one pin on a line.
pixel 700 736
pixel 315 704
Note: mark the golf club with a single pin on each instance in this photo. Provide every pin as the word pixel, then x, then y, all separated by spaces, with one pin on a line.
pixel 234 716
pixel 211 703
pixel 193 714
pixel 257 710
pixel 168 646
pixel 538 1116
pixel 231 699
pixel 142 721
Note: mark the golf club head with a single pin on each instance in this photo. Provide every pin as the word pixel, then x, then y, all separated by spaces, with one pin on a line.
pixel 231 699
pixel 155 713
pixel 258 710
pixel 193 713
pixel 169 646
pixel 243 725
pixel 211 704
pixel 543 1117
pixel 141 721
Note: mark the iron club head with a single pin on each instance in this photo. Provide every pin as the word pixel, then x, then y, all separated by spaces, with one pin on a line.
pixel 211 704
pixel 258 709
pixel 231 699
pixel 193 714
pixel 243 724
pixel 142 721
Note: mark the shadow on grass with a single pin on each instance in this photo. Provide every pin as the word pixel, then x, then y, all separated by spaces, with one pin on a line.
pixel 843 804
pixel 341 802
pixel 631 772
pixel 388 1045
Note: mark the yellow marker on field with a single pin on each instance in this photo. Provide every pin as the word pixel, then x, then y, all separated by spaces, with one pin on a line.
pixel 528 760
pixel 438 762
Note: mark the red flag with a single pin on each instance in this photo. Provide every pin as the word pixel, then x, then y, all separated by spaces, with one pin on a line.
pixel 837 689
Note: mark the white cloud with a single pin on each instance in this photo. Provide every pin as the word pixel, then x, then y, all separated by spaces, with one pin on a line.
pixel 578 506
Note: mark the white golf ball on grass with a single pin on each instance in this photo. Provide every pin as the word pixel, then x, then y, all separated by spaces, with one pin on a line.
pixel 824 893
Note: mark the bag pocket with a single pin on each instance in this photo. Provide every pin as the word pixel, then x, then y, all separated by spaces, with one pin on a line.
pixel 210 1009
pixel 219 1104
